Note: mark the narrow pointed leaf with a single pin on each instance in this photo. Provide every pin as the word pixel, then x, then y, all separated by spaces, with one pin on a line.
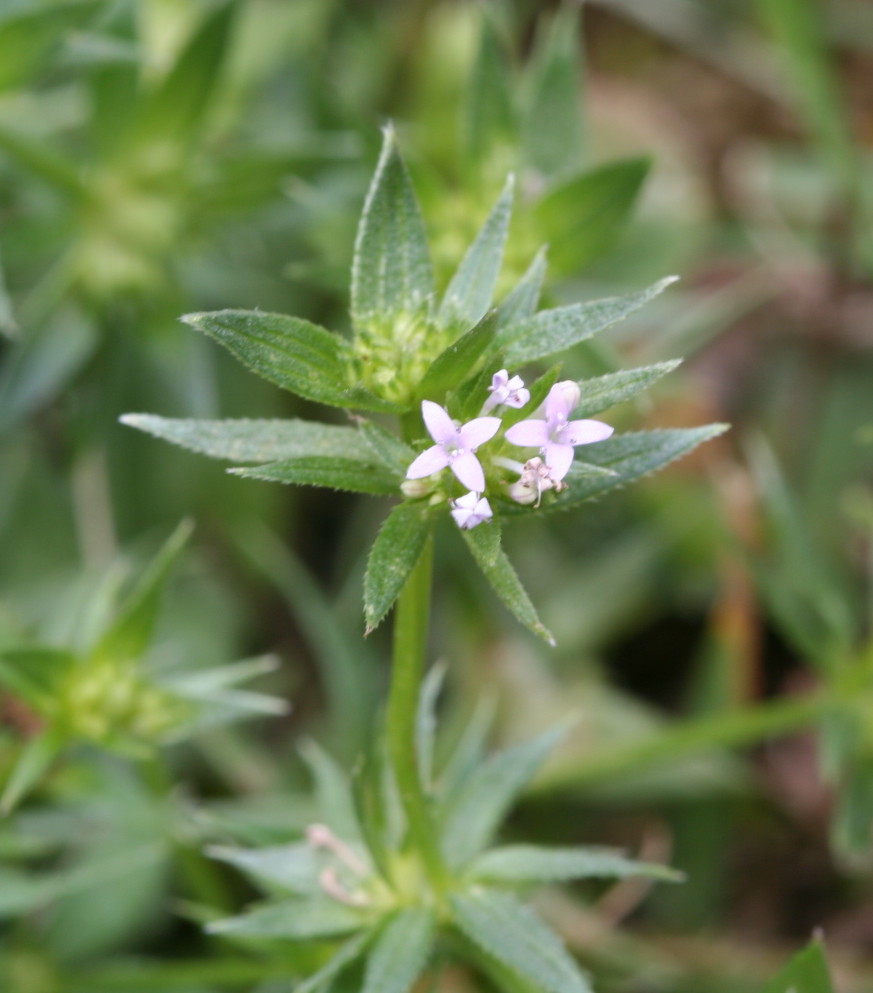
pixel 471 289
pixel 487 114
pixel 393 556
pixel 511 933
pixel 391 272
pixel 131 631
pixel 487 795
pixel 458 359
pixel 534 864
pixel 335 474
pixel 388 449
pixel 244 440
pixel 34 673
pixel 484 543
pixel 400 952
pixel 604 392
pixel 32 762
pixel 292 353
pixel 44 161
pixel 552 331
pixel 426 721
pixel 807 972
pixel 295 867
pixel 521 303
pixel 343 957
pixel 296 920
pixel 332 791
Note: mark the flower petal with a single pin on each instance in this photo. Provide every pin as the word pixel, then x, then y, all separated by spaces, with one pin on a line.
pixel 430 461
pixel 437 421
pixel 562 400
pixel 528 434
pixel 476 432
pixel 468 469
pixel 585 432
pixel 558 458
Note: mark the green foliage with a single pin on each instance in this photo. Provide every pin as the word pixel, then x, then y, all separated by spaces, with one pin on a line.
pixel 807 972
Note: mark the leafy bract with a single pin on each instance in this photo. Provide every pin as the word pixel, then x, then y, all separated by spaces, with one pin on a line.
pixel 317 470
pixel 292 353
pixel 392 557
pixel 604 392
pixel 452 364
pixel 535 864
pixel 391 271
pixel 400 952
pixel 504 928
pixel 552 331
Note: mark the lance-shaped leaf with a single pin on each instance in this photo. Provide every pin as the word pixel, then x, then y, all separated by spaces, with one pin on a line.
pixel 28 768
pixel 400 952
pixel 604 392
pixel 130 633
pixel 296 920
pixel 487 114
pixel 806 972
pixel 332 792
pixel 393 556
pixel 512 934
pixel 582 218
pixel 471 289
pixel 390 451
pixel 521 303
pixel 630 457
pixel 534 864
pixel 391 271
pixel 335 474
pixel 34 673
pixel 552 331
pixel 343 957
pixel 244 440
pixel 485 798
pixel 484 543
pixel 292 353
pixel 295 867
pixel 458 359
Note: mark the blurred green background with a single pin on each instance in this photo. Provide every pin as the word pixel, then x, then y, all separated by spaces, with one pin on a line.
pixel 713 623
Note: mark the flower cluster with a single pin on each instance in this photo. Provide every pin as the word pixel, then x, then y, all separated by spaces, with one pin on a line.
pixel 551 432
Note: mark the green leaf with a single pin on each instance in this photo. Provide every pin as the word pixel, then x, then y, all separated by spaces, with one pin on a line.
pixel 131 631
pixel 630 457
pixel 391 271
pixel 555 330
pixel 604 392
pixel 34 673
pixel 344 956
pixel 292 353
pixel 8 325
pixel 332 792
pixel 521 303
pixel 582 218
pixel 295 867
pixel 552 129
pixel 296 920
pixel 400 952
pixel 175 110
pixel 484 543
pixel 806 972
pixel 851 831
pixel 28 768
pixel 487 114
pixel 393 556
pixel 511 933
pixel 426 721
pixel 390 451
pixel 534 864
pixel 336 474
pixel 485 798
pixel 458 359
pixel 471 289
pixel 243 440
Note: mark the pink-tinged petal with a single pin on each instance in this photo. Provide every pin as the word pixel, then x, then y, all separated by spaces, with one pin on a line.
pixel 528 434
pixel 585 432
pixel 468 469
pixel 558 458
pixel 562 400
pixel 430 461
pixel 476 432
pixel 437 421
pixel 519 398
pixel 498 380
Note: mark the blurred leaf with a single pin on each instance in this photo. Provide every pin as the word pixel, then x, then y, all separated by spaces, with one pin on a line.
pixel 295 867
pixel 551 331
pixel 807 972
pixel 515 936
pixel 426 721
pixel 531 863
pixel 333 792
pixel 344 956
pixel 8 325
pixel 459 358
pixel 484 543
pixel 295 920
pixel 487 115
pixel 552 128
pixel 471 289
pixel 34 673
pixel 391 272
pixel 393 556
pixel 400 952
pixel 606 391
pixel 852 826
pixel 333 473
pixel 481 804
pixel 520 304
pixel 27 769
pixel 582 218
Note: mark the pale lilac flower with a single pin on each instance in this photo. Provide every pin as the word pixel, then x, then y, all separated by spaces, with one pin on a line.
pixel 504 389
pixel 455 446
pixel 555 435
pixel 470 510
pixel 535 479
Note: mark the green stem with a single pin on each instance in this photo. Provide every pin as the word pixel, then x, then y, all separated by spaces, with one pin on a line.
pixel 410 641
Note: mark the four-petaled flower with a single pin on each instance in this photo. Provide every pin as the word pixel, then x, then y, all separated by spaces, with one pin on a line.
pixel 455 446
pixel 470 510
pixel 555 435
pixel 506 389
